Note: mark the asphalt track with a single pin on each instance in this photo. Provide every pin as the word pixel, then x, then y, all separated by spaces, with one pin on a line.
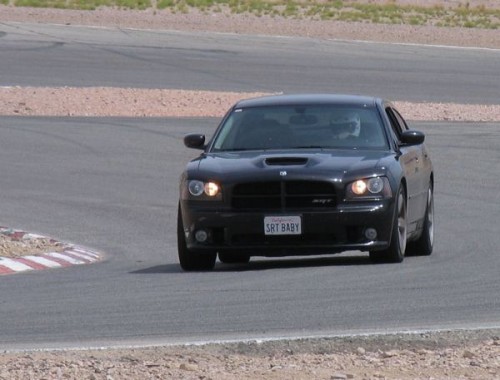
pixel 44 55
pixel 111 184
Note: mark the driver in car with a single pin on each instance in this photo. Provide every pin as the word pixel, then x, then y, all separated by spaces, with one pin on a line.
pixel 345 125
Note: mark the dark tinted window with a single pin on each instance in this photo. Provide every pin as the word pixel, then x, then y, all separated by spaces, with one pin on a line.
pixel 294 127
pixel 398 124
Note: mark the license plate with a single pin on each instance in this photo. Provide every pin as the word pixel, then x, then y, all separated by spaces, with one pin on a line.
pixel 282 225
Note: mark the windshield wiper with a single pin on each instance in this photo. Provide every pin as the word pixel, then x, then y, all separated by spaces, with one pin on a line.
pixel 235 150
pixel 308 147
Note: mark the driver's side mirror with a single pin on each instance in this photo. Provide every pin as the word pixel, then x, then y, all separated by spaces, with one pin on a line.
pixel 195 141
pixel 412 137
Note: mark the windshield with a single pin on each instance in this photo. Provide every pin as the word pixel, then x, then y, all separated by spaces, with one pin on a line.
pixel 296 127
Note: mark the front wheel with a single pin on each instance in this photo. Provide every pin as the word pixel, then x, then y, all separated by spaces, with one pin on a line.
pixel 396 251
pixel 425 243
pixel 189 260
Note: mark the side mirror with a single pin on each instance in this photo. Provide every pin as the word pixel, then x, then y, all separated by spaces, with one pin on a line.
pixel 412 137
pixel 195 141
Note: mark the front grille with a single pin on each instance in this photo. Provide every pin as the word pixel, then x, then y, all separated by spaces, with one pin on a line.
pixel 284 195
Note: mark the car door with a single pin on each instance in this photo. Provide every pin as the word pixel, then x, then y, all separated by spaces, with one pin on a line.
pixel 411 162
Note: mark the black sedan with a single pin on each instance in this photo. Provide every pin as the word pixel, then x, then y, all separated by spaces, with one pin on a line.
pixel 306 175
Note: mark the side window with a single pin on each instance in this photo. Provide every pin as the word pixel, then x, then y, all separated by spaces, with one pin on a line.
pixel 397 123
pixel 400 119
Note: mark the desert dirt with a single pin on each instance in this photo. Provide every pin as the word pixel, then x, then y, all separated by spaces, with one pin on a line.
pixel 445 355
pixel 18 243
pixel 424 356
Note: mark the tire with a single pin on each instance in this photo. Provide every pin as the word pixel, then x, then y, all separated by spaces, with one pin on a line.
pixel 396 251
pixel 425 243
pixel 189 260
pixel 232 257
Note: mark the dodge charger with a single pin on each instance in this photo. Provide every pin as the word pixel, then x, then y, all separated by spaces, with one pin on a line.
pixel 306 174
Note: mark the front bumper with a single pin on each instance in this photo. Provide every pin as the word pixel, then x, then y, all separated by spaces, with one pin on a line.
pixel 333 231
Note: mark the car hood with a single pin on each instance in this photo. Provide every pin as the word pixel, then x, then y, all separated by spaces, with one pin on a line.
pixel 245 166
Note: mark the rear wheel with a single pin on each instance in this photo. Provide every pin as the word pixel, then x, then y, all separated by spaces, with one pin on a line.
pixel 425 243
pixel 396 251
pixel 233 257
pixel 190 260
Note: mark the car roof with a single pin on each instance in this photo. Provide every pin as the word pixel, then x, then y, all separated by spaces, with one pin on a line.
pixel 308 99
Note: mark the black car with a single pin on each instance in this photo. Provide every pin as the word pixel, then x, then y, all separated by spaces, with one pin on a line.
pixel 306 175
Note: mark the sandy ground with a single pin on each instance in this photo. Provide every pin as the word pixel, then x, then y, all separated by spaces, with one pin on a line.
pixel 105 101
pixel 453 355
pixel 426 356
pixel 16 244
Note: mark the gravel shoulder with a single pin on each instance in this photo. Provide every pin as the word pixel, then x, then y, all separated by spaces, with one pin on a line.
pixel 445 355
pixel 134 102
pixel 15 244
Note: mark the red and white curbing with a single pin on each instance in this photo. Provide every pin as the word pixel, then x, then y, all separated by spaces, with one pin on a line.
pixel 72 255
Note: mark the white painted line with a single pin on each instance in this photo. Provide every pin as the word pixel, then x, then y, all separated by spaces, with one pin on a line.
pixel 166 342
pixel 414 44
pixel 84 256
pixel 44 261
pixel 85 251
pixel 14 265
pixel 64 258
pixel 34 236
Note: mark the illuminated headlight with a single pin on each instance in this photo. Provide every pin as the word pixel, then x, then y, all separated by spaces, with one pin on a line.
pixel 198 188
pixel 211 189
pixel 369 187
pixel 359 187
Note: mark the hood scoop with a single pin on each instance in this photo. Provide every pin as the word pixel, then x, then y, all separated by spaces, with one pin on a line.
pixel 284 161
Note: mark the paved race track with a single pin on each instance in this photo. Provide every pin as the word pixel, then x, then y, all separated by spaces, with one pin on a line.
pixel 38 55
pixel 111 184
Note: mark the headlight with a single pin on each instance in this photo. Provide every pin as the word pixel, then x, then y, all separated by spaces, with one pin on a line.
pixel 369 187
pixel 196 188
pixel 200 189
pixel 211 189
pixel 358 187
pixel 375 185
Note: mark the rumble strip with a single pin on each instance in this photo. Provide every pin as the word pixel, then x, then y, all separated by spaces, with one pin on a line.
pixel 71 255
